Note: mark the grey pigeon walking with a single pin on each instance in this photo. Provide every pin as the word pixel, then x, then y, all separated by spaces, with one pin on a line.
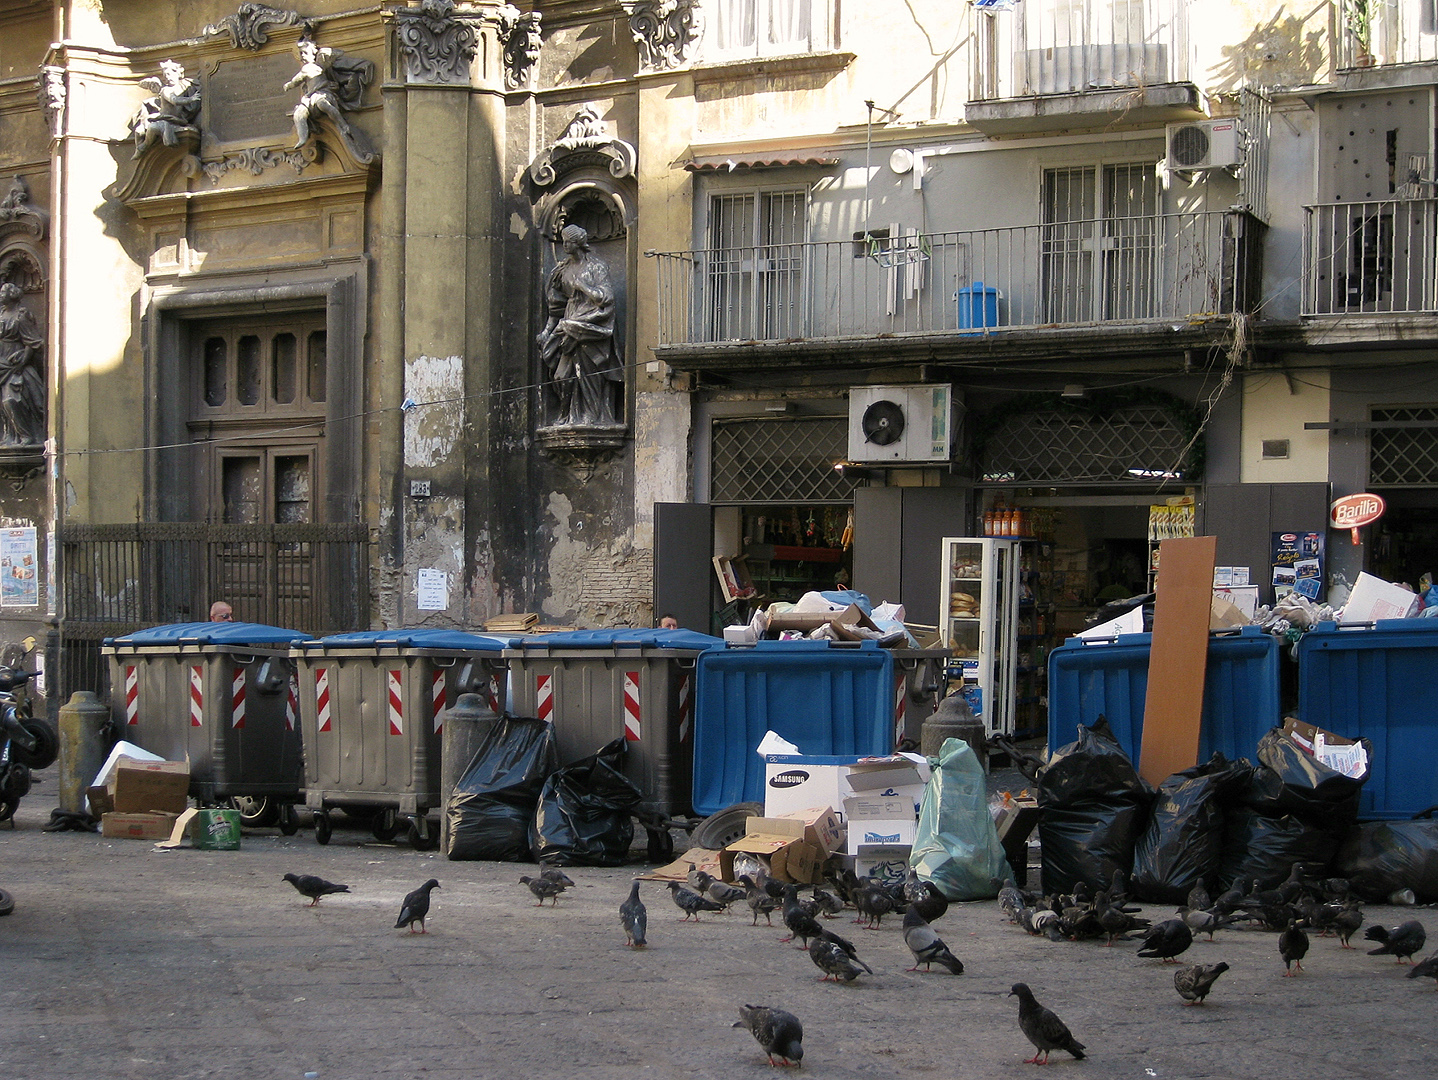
pixel 928 948
pixel 778 1033
pixel 834 962
pixel 1426 969
pixel 314 887
pixel 1166 940
pixel 556 875
pixel 543 889
pixel 691 903
pixel 1194 983
pixel 635 917
pixel 721 892
pixel 1042 1028
pixel 416 907
pixel 1399 941
pixel 760 902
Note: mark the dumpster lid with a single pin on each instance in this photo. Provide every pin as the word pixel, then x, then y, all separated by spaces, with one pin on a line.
pixel 210 633
pixel 622 638
pixel 414 638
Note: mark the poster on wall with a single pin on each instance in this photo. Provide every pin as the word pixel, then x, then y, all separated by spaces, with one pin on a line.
pixel 1298 563
pixel 19 569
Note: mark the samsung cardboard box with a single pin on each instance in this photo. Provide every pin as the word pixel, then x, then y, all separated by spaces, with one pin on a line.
pixel 779 842
pixel 794 782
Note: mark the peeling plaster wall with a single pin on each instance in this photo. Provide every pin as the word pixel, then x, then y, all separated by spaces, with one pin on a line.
pixel 434 526
pixel 661 457
pixel 607 584
pixel 431 431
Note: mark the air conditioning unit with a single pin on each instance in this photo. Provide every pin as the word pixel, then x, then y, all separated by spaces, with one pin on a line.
pixel 1204 144
pixel 895 424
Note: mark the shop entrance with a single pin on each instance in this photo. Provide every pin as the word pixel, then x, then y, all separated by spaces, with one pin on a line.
pixel 1405 538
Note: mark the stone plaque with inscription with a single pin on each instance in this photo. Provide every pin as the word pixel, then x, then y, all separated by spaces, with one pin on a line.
pixel 245 98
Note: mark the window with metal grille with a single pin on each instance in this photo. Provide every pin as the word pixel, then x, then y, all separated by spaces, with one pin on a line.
pixel 1404 456
pixel 753 288
pixel 1129 444
pixel 1099 242
pixel 780 460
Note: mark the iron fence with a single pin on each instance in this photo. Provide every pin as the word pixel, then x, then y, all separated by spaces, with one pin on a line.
pixel 1149 268
pixel 1377 256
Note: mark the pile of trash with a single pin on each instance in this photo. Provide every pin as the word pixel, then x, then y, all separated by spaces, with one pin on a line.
pixel 841 615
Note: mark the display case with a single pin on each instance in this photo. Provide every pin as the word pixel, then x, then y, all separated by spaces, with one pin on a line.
pixel 979 608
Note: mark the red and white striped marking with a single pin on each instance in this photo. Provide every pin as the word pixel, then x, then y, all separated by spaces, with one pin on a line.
pixel 322 698
pixel 543 697
pixel 494 693
pixel 237 699
pixel 631 706
pixel 686 708
pixel 197 695
pixel 901 705
pixel 438 692
pixel 292 704
pixel 132 694
pixel 396 702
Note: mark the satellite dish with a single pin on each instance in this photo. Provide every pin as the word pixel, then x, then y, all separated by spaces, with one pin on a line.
pixel 882 423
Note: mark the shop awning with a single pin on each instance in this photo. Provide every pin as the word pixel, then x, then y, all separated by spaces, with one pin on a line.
pixel 772 160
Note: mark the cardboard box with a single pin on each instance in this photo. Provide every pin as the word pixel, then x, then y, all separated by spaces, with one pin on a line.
pixel 99 800
pixel 891 832
pixel 795 783
pixel 821 828
pixel 1347 756
pixel 876 807
pixel 1224 615
pixel 781 842
pixel 1373 598
pixel 807 621
pixel 882 777
pixel 140 787
pixel 889 863
pixel 117 825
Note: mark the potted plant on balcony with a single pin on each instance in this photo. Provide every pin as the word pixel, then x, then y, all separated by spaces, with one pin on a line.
pixel 1358 20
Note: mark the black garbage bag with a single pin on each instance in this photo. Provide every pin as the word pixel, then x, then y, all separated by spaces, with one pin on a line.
pixel 1183 843
pixel 1380 857
pixel 492 806
pixel 1258 846
pixel 584 815
pixel 1094 807
pixel 1293 781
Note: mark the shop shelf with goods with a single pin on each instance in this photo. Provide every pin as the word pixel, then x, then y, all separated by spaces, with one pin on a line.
pixel 979 608
pixel 1036 636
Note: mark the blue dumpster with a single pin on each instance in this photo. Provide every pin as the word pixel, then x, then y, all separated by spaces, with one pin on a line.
pixel 1378 683
pixel 1240 691
pixel 827 698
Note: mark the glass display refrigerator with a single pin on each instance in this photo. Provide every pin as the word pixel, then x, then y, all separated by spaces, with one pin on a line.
pixel 980 611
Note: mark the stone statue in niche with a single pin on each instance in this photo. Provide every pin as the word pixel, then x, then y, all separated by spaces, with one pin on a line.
pixel 22 380
pixel 577 347
pixel 333 85
pixel 171 111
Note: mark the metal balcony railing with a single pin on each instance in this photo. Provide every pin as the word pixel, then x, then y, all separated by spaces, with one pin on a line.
pixel 1371 257
pixel 1067 46
pixel 1138 269
pixel 1381 32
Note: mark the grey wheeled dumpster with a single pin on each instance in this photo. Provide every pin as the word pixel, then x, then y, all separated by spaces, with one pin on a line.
pixel 372 707
pixel 221 694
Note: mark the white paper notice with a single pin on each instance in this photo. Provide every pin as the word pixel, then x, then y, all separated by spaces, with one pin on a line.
pixel 1348 760
pixel 432 587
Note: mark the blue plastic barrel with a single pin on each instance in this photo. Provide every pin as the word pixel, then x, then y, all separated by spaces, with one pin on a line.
pixel 978 306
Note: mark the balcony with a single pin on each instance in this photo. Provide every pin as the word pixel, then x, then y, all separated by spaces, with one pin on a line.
pixel 1055 63
pixel 1382 33
pixel 1371 258
pixel 964 288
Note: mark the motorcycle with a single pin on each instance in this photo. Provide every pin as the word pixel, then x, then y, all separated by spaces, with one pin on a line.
pixel 27 742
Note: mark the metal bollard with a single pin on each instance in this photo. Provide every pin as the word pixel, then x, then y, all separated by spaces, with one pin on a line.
pixel 466 724
pixel 83 724
pixel 953 720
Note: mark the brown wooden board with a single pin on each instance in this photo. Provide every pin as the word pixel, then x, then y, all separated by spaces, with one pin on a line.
pixel 1178 657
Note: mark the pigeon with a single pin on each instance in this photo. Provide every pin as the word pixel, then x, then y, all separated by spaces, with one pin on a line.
pixel 760 902
pixel 556 875
pixel 933 904
pixel 1198 898
pixel 800 923
pixel 830 904
pixel 1400 941
pixel 1203 922
pixel 1010 900
pixel 1042 1028
pixel 1426 969
pixel 1194 983
pixel 698 879
pixel 1117 923
pixel 314 887
pixel 722 892
pixel 635 917
pixel 768 884
pixel 836 964
pixel 544 889
pixel 778 1033
pixel 928 948
pixel 873 903
pixel 416 907
pixel 691 903
pixel 1347 922
pixel 1229 900
pixel 1293 947
pixel 1166 940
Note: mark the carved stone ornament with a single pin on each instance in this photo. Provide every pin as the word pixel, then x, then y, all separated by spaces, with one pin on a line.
pixel 256 159
pixel 170 113
pixel 250 26
pixel 520 36
pixel 583 142
pixel 437 45
pixel 666 31
pixel 17 212
pixel 52 97
pixel 331 84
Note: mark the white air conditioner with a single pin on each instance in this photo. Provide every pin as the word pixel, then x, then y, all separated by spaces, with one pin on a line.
pixel 1204 144
pixel 901 423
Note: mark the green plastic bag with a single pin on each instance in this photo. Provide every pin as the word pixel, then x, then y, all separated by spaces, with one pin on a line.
pixel 957 846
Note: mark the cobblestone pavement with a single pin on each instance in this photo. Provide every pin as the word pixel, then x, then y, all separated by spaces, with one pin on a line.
pixel 122 961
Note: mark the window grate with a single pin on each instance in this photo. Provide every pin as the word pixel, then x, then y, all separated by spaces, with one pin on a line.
pixel 1131 444
pixel 1403 457
pixel 780 459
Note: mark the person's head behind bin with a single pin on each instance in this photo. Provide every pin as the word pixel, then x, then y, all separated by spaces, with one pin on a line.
pixel 668 622
pixel 221 612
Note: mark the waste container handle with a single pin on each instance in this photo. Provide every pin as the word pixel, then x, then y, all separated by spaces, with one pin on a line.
pixel 689 663
pixel 439 661
pixel 1099 640
pixel 243 659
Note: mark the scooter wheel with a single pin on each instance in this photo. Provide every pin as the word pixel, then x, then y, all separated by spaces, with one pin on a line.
pixel 322 827
pixel 8 808
pixel 7 903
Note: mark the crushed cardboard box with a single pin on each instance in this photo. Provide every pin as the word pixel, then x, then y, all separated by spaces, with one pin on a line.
pixel 809 621
pixel 821 828
pixel 1347 756
pixel 697 857
pixel 146 826
pixel 781 842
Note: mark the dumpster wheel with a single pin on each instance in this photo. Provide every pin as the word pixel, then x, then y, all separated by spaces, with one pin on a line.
pixel 385 825
pixel 722 828
pixel 323 828
pixel 7 903
pixel 256 811
pixel 421 837
pixel 289 819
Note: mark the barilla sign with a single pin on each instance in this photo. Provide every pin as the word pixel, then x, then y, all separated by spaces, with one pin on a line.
pixel 1354 511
